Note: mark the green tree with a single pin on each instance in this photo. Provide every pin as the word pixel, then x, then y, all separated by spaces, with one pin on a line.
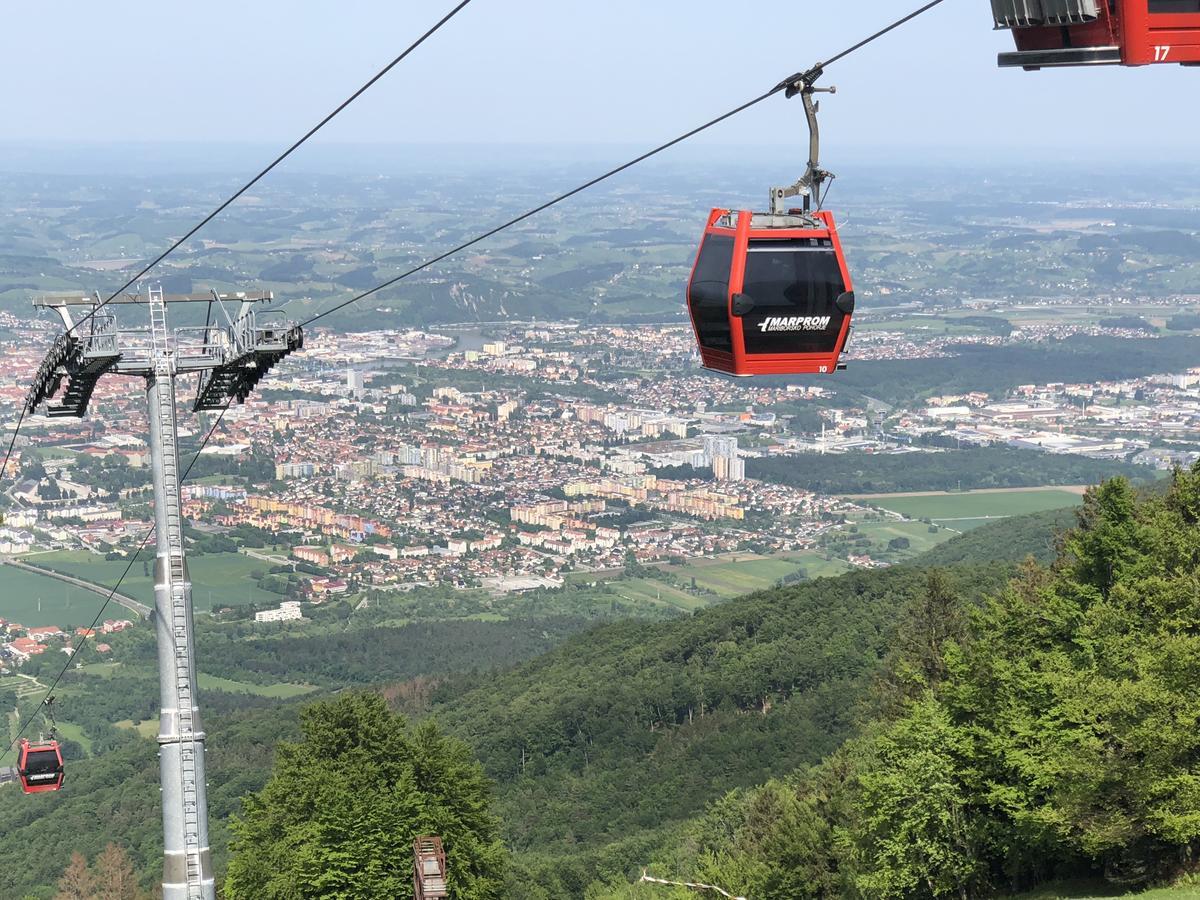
pixel 916 835
pixel 338 817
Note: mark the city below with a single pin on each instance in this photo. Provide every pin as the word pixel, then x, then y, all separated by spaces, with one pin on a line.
pixel 513 458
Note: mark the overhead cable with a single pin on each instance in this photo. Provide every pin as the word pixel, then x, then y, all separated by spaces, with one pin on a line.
pixel 784 86
pixel 275 162
pixel 78 646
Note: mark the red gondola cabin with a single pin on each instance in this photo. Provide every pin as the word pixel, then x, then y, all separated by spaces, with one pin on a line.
pixel 770 294
pixel 40 766
pixel 1100 32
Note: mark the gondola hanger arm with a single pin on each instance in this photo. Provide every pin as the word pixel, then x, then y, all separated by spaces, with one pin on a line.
pixel 809 185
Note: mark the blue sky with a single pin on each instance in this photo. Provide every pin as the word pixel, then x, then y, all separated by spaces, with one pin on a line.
pixel 566 71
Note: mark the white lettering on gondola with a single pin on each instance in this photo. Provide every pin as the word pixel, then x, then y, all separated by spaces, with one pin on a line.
pixel 794 323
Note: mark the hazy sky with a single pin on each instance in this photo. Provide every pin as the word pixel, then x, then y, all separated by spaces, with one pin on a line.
pixel 549 71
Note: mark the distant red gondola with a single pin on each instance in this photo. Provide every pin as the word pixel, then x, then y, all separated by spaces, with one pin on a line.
pixel 770 293
pixel 40 766
pixel 1100 32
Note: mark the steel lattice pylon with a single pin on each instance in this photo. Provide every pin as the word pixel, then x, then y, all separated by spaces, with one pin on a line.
pixel 230 359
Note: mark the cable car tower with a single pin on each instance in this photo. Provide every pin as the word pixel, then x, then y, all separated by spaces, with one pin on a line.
pixel 230 358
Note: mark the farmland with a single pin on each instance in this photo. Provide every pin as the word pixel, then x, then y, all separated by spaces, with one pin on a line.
pixel 218 579
pixel 40 600
pixel 962 512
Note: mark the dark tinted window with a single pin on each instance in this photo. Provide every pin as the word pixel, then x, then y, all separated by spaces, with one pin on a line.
pixel 41 763
pixel 708 293
pixel 793 285
pixel 1175 6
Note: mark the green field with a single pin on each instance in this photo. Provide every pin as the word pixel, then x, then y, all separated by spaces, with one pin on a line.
pixel 147 729
pixel 963 512
pixel 643 591
pixel 40 600
pixel 221 579
pixel 281 691
pixel 737 574
pixel 917 533
pixel 72 732
pixel 732 579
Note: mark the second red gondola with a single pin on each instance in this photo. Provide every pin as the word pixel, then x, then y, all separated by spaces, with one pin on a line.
pixel 1100 32
pixel 40 766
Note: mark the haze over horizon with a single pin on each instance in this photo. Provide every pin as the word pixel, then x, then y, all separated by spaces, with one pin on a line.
pixel 562 75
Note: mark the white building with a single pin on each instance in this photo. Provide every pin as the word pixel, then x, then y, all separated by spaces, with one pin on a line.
pixel 288 610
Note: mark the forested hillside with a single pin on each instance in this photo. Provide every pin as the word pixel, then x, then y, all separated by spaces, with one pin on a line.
pixel 602 745
pixel 1049 732
pixel 893 733
pixel 1032 535
pixel 597 748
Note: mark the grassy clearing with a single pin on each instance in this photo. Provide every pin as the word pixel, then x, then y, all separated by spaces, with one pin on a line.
pixel 917 533
pixel 101 669
pixel 733 576
pixel 643 591
pixel 962 512
pixel 40 600
pixel 72 732
pixel 281 691
pixel 147 729
pixel 732 579
pixel 966 524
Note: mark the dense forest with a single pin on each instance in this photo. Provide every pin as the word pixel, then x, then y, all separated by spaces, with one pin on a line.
pixel 972 728
pixel 1048 732
pixel 972 469
pixel 618 747
pixel 602 745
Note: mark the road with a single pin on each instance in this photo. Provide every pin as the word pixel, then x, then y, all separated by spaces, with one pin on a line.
pixel 128 602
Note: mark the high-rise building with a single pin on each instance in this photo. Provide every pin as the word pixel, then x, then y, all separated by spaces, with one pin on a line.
pixel 729 468
pixel 721 453
pixel 716 445
pixel 354 381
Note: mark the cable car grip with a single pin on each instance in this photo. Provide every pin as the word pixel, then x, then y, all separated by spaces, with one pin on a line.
pixel 809 185
pixel 48 712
